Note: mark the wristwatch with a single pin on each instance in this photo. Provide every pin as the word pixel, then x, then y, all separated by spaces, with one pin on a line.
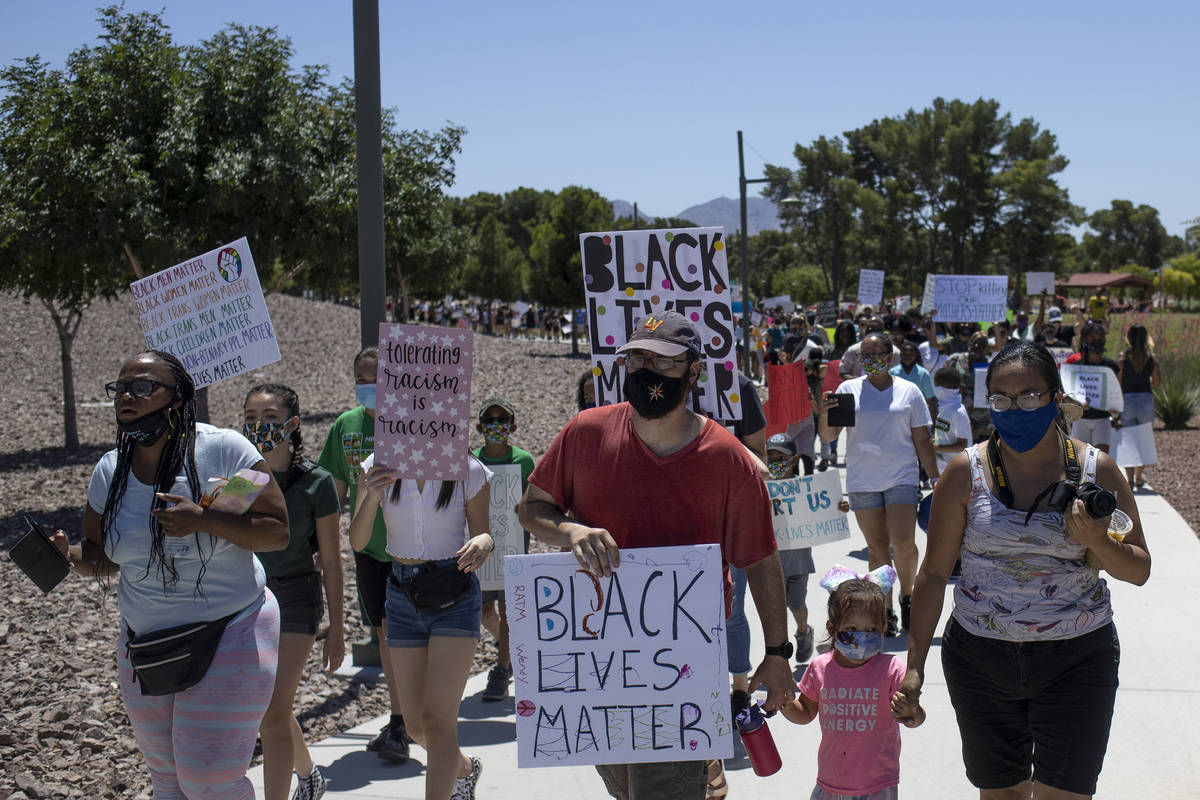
pixel 784 650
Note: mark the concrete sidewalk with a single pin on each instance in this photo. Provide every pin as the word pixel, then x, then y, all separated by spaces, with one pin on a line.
pixel 1152 752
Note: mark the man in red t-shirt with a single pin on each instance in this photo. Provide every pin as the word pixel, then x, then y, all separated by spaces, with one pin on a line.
pixel 651 473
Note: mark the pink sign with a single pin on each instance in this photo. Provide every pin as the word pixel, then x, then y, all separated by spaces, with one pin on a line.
pixel 423 409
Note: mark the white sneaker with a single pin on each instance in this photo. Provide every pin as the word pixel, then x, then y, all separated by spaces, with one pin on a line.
pixel 311 788
pixel 464 788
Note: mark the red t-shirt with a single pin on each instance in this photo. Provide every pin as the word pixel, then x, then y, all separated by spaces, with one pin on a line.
pixel 600 470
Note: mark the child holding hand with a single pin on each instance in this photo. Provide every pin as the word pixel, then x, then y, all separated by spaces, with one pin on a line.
pixel 853 689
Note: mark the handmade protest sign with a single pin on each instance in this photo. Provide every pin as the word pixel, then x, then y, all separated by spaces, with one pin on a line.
pixel 631 274
pixel 1038 282
pixel 788 398
pixel 833 378
pixel 619 670
pixel 979 400
pixel 903 303
pixel 781 301
pixel 505 528
pixel 967 298
pixel 1061 354
pixel 826 311
pixel 870 287
pixel 209 313
pixel 1093 384
pixel 422 410
pixel 927 297
pixel 804 510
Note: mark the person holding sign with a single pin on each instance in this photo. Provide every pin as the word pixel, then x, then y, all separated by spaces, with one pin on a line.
pixel 1096 426
pixel 649 472
pixel 890 434
pixel 497 422
pixel 434 604
pixel 1030 653
pixel 271 420
pixel 188 577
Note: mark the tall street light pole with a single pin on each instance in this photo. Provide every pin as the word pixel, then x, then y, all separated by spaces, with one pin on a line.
pixel 745 247
pixel 372 284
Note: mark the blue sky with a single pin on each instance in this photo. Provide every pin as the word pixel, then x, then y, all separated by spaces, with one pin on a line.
pixel 642 100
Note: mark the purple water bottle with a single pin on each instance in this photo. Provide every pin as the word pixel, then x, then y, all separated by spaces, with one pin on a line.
pixel 760 745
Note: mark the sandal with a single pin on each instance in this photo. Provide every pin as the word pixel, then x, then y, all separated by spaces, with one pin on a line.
pixel 716 787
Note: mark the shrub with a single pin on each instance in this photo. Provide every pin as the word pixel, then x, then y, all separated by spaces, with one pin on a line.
pixel 1176 401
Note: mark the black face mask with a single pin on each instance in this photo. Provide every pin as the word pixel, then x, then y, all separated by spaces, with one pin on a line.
pixel 148 428
pixel 652 395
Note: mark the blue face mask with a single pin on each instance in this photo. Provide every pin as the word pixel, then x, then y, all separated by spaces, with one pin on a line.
pixel 858 645
pixel 364 393
pixel 1022 430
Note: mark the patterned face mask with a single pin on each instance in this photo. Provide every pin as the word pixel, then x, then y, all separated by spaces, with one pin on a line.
pixel 264 435
pixel 874 365
pixel 779 469
pixel 858 645
pixel 496 431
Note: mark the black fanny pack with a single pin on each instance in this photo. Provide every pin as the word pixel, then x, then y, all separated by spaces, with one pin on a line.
pixel 174 659
pixel 436 589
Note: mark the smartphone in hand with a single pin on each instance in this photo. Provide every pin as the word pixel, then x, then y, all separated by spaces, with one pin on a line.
pixel 842 415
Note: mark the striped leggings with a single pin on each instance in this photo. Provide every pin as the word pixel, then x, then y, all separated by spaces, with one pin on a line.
pixel 198 742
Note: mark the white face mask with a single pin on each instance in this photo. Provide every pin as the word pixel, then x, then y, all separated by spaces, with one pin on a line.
pixel 946 396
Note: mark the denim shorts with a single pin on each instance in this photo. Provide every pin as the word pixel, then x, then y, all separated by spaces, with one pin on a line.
pixel 906 495
pixel 890 793
pixel 1041 704
pixel 408 627
pixel 300 602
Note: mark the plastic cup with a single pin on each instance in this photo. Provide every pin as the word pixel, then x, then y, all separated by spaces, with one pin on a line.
pixel 1119 524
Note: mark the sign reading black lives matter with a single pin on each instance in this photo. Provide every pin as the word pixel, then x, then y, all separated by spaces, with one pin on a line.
pixel 209 313
pixel 422 408
pixel 629 274
pixel 619 670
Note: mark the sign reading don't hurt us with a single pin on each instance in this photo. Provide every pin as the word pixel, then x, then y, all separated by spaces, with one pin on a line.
pixel 629 274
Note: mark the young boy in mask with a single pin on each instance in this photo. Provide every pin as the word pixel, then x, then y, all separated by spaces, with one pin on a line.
pixel 497 422
pixel 350 440
pixel 951 425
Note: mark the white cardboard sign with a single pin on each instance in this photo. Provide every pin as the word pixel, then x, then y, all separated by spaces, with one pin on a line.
pixel 625 669
pixel 1093 384
pixel 804 510
pixel 967 298
pixel 505 527
pixel 779 301
pixel 209 312
pixel 870 287
pixel 1038 282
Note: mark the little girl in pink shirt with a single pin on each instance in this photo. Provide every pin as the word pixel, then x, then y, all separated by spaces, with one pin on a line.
pixel 853 689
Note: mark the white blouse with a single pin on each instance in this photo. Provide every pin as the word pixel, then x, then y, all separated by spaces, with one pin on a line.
pixel 416 528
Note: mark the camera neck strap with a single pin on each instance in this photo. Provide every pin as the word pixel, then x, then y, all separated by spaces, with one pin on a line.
pixel 1000 476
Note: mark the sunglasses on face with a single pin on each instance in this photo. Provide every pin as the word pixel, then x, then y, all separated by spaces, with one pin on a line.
pixel 141 387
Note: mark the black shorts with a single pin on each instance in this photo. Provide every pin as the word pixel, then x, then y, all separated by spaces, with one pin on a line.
pixel 1045 704
pixel 300 603
pixel 371 577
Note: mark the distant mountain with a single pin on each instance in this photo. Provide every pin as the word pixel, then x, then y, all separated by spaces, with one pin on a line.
pixel 722 211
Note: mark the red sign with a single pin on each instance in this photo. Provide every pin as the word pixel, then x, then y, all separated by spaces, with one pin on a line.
pixel 788 398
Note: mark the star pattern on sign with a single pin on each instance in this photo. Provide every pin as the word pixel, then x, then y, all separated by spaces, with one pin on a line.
pixel 420 336
pixel 446 340
pixel 437 408
pixel 429 445
pixel 416 456
pixel 448 449
pixel 389 400
pixel 656 392
pixel 402 412
pixel 397 446
pixel 461 371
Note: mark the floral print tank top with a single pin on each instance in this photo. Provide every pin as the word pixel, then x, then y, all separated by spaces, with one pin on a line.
pixel 1025 583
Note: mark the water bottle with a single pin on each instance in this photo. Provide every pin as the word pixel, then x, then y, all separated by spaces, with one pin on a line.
pixel 760 745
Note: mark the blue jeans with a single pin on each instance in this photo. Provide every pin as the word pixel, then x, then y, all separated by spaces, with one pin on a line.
pixel 409 627
pixel 737 629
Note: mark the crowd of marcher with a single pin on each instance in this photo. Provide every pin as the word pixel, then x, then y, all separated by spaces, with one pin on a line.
pixel 1030 653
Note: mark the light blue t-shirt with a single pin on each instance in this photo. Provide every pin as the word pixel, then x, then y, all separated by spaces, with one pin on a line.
pixel 233 578
pixel 919 375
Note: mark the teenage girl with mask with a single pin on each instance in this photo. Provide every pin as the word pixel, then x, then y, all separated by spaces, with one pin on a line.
pixel 182 565
pixel 1030 653
pixel 350 441
pixel 271 422
pixel 890 435
pixel 432 648
pixel 859 755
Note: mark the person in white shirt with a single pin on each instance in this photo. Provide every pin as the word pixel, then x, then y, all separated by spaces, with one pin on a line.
pixel 431 639
pixel 952 425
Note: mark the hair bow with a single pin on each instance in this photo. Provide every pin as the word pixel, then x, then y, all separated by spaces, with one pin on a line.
pixel 883 577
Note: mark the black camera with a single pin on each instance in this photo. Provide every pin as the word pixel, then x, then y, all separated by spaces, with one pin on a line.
pixel 1098 501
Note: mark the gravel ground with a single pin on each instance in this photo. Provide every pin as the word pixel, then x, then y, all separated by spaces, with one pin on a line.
pixel 64 731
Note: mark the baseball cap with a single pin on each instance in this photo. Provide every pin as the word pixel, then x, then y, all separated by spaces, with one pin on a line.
pixel 782 443
pixel 667 333
pixel 1054 315
pixel 497 401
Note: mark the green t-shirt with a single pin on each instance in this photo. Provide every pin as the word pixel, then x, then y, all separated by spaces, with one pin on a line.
pixel 310 496
pixel 515 456
pixel 350 441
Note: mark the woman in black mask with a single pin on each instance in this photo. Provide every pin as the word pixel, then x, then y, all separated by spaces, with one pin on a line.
pixel 1097 424
pixel 184 565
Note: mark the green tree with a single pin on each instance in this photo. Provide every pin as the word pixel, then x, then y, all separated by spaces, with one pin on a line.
pixel 556 267
pixel 804 283
pixel 494 268
pixel 1179 283
pixel 1124 234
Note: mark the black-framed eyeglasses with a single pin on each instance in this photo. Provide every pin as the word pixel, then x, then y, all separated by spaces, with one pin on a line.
pixel 141 387
pixel 1026 401
pixel 659 363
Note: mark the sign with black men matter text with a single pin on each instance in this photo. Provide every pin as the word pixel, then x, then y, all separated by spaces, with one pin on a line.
pixel 209 313
pixel 630 274
pixel 619 670
pixel 422 408
pixel 503 524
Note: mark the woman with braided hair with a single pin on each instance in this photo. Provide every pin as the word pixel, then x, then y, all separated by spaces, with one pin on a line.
pixel 184 566
pixel 272 422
